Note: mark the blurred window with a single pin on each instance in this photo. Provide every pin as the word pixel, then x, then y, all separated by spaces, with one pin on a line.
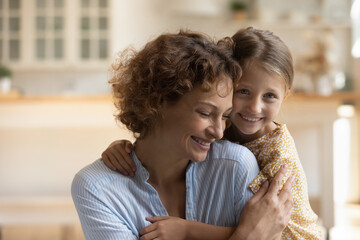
pixel 40 48
pixel 40 4
pixel 10 28
pixel 58 48
pixel 94 21
pixel 14 4
pixel 49 30
pixel 14 49
pixel 58 3
pixel 1 52
pixel 14 24
pixel 55 32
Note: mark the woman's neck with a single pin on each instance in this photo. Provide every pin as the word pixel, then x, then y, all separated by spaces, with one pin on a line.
pixel 163 167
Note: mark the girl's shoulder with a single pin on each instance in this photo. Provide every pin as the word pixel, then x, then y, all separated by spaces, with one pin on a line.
pixel 280 137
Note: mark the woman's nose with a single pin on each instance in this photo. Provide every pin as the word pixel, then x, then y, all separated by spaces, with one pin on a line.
pixel 217 130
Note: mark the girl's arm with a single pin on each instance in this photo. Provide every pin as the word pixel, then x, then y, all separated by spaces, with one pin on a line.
pixel 263 218
pixel 266 214
pixel 174 228
pixel 117 158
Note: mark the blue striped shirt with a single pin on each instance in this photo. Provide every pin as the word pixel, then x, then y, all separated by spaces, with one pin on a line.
pixel 113 206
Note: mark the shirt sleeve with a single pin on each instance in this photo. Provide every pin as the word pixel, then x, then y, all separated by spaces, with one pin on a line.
pixel 98 221
pixel 269 171
pixel 245 173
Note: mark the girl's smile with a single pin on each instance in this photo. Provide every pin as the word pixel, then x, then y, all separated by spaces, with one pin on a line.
pixel 257 101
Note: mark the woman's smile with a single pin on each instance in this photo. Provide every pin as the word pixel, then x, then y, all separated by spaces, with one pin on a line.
pixel 202 144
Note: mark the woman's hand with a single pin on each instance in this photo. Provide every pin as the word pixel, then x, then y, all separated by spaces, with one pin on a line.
pixel 267 214
pixel 116 157
pixel 162 228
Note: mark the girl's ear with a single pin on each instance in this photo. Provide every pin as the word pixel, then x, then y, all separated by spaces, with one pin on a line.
pixel 287 94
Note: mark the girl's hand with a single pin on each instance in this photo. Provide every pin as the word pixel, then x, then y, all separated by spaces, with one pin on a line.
pixel 116 157
pixel 267 214
pixel 164 228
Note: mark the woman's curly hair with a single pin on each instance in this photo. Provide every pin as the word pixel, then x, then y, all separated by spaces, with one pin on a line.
pixel 165 70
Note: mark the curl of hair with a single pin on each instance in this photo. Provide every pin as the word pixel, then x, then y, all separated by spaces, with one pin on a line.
pixel 165 70
pixel 266 49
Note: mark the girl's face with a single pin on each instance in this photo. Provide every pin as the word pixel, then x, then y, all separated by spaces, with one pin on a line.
pixel 256 103
pixel 190 125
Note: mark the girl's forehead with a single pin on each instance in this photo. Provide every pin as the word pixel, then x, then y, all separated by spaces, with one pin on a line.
pixel 262 78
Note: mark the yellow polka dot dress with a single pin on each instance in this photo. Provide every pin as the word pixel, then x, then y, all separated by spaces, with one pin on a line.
pixel 272 151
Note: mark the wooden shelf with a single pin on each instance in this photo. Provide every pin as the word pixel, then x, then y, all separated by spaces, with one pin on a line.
pixel 337 96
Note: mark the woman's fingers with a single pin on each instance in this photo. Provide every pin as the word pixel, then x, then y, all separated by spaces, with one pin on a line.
pixel 262 191
pixel 277 180
pixel 286 196
pixel 286 190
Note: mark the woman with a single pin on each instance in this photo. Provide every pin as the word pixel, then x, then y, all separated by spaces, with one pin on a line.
pixel 175 95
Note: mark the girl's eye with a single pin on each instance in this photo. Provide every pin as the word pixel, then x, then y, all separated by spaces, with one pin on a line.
pixel 270 95
pixel 242 91
pixel 225 117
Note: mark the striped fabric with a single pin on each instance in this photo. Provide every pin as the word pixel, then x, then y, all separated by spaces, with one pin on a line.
pixel 113 206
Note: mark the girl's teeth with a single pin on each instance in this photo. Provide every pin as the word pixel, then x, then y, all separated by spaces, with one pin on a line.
pixel 250 119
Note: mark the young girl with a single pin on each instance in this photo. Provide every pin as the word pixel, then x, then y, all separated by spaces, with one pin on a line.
pixel 266 81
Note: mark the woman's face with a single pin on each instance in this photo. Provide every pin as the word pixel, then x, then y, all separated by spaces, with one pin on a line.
pixel 190 125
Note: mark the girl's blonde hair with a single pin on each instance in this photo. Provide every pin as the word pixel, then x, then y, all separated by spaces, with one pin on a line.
pixel 265 48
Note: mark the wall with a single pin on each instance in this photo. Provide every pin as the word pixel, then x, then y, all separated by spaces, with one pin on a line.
pixel 44 143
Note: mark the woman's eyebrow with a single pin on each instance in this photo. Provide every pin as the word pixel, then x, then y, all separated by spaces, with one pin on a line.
pixel 213 105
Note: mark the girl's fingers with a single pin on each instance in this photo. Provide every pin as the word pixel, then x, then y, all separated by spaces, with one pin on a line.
pixel 148 229
pixel 122 158
pixel 107 161
pixel 156 218
pixel 130 165
pixel 117 164
pixel 128 146
pixel 128 149
pixel 277 180
pixel 149 236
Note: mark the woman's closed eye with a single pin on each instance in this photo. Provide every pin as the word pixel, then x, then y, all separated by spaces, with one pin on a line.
pixel 226 117
pixel 204 114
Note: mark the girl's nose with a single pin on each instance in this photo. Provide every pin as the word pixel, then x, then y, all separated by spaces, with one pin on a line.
pixel 255 105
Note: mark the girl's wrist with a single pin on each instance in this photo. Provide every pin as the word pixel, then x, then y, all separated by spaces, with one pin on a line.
pixel 187 228
pixel 243 233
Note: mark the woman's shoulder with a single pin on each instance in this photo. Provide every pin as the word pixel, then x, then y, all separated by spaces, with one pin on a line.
pixel 237 159
pixel 95 175
pixel 227 150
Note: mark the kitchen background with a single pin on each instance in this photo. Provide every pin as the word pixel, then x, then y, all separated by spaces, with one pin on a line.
pixel 56 113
